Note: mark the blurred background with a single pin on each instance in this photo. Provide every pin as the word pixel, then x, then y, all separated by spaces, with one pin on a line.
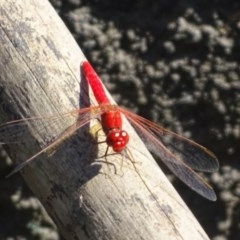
pixel 174 62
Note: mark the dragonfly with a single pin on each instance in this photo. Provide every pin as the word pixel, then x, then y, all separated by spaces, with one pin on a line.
pixel 181 155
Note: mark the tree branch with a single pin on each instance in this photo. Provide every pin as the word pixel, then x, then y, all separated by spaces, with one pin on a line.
pixel 86 199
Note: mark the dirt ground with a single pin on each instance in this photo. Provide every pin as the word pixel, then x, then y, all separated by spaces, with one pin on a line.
pixel 174 62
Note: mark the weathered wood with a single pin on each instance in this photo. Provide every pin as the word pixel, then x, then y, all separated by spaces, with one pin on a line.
pixel 86 199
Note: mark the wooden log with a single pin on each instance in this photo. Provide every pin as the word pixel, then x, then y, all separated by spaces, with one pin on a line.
pixel 85 197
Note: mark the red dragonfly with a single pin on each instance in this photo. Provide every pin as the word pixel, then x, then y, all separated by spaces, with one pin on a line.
pixel 181 155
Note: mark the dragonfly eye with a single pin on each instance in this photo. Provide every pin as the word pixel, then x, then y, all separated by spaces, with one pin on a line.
pixel 117 139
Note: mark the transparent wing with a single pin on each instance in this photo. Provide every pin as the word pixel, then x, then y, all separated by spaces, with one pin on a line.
pixel 179 154
pixel 16 130
pixel 13 132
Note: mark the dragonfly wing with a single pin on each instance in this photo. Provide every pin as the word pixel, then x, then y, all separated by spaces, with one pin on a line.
pixel 191 153
pixel 15 128
pixel 173 162
pixel 17 131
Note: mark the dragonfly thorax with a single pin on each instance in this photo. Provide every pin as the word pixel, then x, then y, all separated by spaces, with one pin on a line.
pixel 117 139
pixel 111 119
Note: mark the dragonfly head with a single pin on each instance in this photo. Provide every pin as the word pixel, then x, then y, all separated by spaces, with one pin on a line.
pixel 117 139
